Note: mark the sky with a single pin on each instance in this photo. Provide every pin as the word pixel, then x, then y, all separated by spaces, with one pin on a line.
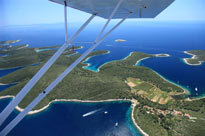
pixel 28 12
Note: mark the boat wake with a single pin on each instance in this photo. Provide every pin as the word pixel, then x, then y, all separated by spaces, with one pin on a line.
pixel 108 45
pixel 91 112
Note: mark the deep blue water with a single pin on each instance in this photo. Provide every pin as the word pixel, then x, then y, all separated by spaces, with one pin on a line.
pixel 149 37
pixel 4 72
pixel 3 87
pixel 65 119
pixel 190 77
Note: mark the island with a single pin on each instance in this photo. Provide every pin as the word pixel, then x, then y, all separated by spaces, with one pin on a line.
pixel 21 55
pixel 120 40
pixel 159 107
pixel 162 55
pixel 8 42
pixel 198 57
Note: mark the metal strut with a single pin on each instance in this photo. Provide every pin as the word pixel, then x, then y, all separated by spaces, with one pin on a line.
pixel 11 106
pixel 108 21
pixel 65 20
pixel 98 40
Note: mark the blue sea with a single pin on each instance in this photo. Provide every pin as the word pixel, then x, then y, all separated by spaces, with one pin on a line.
pixel 65 118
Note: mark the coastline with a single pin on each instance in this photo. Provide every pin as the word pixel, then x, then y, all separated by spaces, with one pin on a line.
pixel 186 91
pixel 94 56
pixel 161 55
pixel 193 57
pixel 88 64
pixel 98 70
pixel 7 96
pixel 12 67
pixel 10 42
pixel 83 101
pixel 77 48
pixel 23 47
pixel 63 100
pixel 69 100
pixel 3 84
pixel 20 66
pixel 73 54
pixel 156 55
pixel 133 119
pixel 137 63
pixel 53 48
pixel 115 60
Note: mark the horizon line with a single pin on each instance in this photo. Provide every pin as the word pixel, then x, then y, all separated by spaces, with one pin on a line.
pixel 99 22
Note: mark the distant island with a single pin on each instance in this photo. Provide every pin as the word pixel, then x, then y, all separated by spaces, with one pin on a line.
pixel 8 42
pixel 198 57
pixel 159 107
pixel 120 40
pixel 162 55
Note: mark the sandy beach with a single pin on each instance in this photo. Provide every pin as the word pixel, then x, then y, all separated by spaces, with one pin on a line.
pixel 133 120
pixel 141 60
pixel 23 46
pixel 68 100
pixel 3 84
pixel 63 100
pixel 7 96
pixel 77 48
pixel 186 61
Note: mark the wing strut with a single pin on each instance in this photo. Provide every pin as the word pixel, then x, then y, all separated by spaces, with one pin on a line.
pixel 98 40
pixel 65 20
pixel 7 111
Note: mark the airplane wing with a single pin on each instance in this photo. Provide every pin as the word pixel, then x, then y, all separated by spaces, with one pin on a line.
pixel 103 8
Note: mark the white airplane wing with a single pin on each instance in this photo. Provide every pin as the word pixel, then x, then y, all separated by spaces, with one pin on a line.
pixel 103 8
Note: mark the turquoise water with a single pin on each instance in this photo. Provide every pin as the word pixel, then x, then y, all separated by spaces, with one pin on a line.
pixel 39 50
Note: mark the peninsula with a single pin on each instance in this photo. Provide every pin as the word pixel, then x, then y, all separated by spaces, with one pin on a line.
pixel 198 57
pixel 159 106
